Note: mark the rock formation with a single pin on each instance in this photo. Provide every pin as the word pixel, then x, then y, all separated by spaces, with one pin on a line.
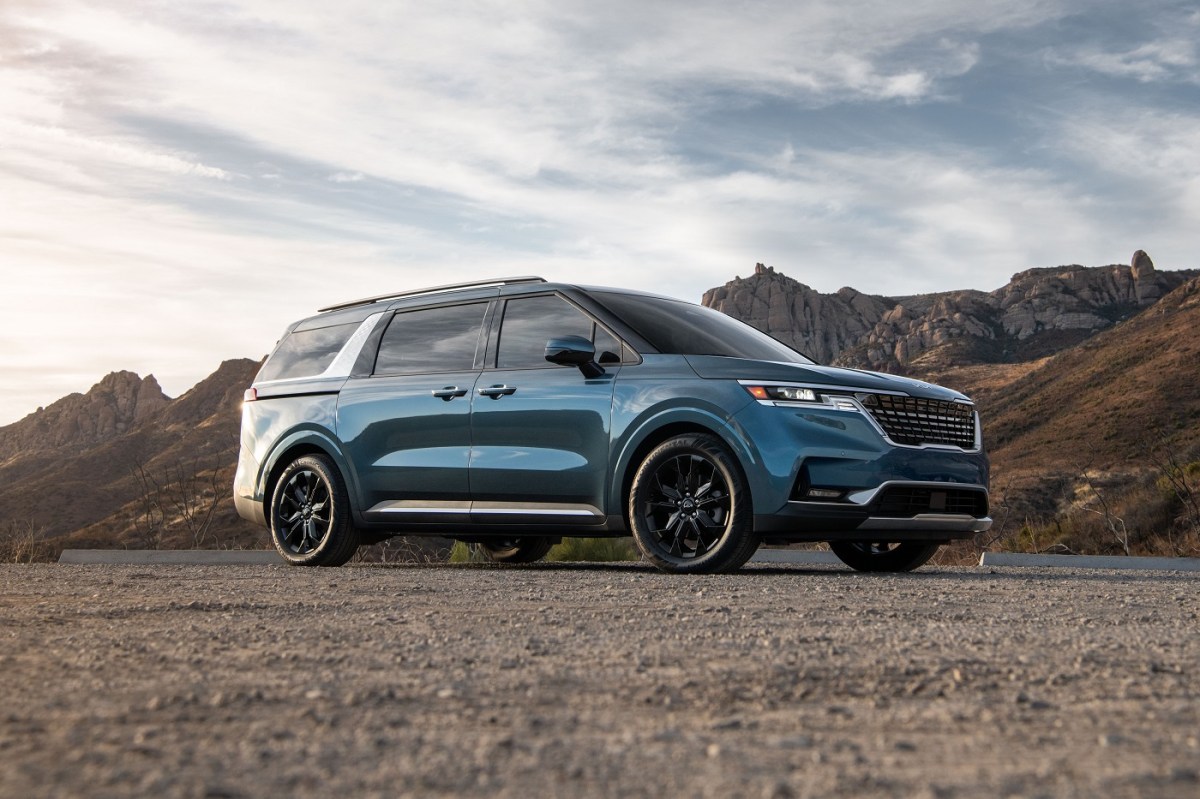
pixel 1037 312
pixel 107 410
pixel 820 325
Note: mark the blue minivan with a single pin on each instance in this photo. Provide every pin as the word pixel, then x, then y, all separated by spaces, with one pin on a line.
pixel 509 413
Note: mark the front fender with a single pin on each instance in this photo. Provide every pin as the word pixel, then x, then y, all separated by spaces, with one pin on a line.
pixel 649 426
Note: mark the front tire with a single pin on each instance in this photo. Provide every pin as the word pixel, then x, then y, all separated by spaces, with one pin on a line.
pixel 516 550
pixel 689 507
pixel 310 514
pixel 866 556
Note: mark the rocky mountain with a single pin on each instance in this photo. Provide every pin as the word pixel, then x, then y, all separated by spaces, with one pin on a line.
pixel 91 465
pixel 1039 312
pixel 112 407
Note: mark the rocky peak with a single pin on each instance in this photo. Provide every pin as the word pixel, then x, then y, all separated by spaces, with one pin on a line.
pixel 819 325
pixel 1038 311
pixel 76 421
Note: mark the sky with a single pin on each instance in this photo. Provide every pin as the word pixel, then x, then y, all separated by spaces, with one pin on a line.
pixel 181 180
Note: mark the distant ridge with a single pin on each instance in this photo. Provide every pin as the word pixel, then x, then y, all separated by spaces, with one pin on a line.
pixel 70 468
pixel 1039 312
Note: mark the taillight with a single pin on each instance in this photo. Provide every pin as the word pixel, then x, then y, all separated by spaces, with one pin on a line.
pixel 251 395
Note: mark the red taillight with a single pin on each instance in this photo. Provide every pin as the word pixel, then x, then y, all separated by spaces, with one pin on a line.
pixel 251 395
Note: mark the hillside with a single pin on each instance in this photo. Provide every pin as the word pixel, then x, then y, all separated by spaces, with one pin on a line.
pixel 94 485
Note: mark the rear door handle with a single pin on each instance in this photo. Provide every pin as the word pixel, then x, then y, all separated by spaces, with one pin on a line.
pixel 496 392
pixel 449 392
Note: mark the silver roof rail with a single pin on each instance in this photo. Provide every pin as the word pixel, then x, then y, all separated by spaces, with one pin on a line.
pixel 496 281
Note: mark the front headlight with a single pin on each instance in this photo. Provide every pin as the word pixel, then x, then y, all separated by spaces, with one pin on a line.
pixel 784 393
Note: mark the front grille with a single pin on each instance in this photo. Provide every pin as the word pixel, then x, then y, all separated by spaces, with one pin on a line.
pixel 914 421
pixel 904 502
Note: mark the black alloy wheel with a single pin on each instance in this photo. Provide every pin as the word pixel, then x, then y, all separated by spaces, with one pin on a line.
pixel 689 507
pixel 884 556
pixel 310 514
pixel 527 549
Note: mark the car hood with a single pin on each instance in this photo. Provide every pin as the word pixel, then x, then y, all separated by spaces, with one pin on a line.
pixel 718 367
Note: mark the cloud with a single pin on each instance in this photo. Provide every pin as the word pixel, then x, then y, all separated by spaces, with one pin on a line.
pixel 1171 59
pixel 191 177
pixel 1169 52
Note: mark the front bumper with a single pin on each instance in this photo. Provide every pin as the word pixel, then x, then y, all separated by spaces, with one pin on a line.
pixel 870 514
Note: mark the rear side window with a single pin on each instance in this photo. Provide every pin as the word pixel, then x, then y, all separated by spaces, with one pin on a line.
pixel 306 353
pixel 431 340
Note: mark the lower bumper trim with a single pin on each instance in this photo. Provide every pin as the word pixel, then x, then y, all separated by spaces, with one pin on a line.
pixel 932 522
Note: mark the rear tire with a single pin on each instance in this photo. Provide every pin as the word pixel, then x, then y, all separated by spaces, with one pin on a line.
pixel 689 507
pixel 310 514
pixel 516 550
pixel 869 556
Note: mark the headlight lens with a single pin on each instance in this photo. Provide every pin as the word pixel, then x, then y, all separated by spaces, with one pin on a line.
pixel 784 393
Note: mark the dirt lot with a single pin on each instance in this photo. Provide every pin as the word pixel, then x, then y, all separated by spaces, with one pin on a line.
pixel 586 680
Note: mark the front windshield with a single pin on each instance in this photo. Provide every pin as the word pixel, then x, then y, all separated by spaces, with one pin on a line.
pixel 677 327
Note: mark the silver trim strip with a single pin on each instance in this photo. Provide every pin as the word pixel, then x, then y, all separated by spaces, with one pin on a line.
pixel 343 362
pixel 419 510
pixel 409 506
pixel 933 522
pixel 533 512
pixel 867 496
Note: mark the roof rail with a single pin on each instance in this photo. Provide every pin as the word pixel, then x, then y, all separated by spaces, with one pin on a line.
pixel 496 281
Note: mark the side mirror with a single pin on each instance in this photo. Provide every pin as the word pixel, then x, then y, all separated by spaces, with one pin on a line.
pixel 574 351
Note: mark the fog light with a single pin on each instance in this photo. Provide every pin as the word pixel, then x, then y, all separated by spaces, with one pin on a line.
pixel 824 493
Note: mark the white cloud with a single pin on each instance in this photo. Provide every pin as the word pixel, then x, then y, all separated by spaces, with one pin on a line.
pixel 260 159
pixel 1170 59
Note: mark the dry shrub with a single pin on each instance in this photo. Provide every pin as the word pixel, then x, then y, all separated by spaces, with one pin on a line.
pixel 21 542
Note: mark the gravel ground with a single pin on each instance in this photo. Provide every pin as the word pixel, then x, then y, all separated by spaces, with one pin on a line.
pixel 581 680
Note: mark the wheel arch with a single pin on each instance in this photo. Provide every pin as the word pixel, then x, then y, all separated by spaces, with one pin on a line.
pixel 297 446
pixel 653 434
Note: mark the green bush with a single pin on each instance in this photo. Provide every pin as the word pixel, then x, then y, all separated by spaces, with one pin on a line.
pixel 595 550
pixel 466 553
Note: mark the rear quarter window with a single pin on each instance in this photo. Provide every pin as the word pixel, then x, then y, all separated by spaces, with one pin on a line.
pixel 306 353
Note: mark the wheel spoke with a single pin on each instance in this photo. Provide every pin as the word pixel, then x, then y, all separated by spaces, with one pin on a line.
pixel 677 540
pixel 666 491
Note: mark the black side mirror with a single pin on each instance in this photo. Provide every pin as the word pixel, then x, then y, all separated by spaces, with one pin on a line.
pixel 574 351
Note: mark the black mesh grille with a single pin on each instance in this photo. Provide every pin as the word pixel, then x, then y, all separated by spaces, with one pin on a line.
pixel 904 502
pixel 909 420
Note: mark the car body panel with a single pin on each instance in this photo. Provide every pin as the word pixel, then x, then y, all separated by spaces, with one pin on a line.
pixel 548 442
pixel 406 442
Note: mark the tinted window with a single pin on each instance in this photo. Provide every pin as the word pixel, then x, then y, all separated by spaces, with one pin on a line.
pixel 608 348
pixel 686 329
pixel 529 322
pixel 431 340
pixel 306 353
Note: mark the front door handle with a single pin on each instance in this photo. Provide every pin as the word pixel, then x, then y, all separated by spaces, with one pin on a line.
pixel 496 392
pixel 449 392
